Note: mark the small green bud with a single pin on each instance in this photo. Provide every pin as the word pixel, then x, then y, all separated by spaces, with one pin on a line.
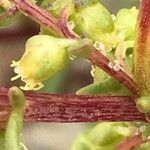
pixel 44 56
pixel 143 104
pixel 16 98
pixel 125 23
pixel 93 21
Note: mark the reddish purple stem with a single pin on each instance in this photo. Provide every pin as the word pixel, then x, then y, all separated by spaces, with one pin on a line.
pixel 72 108
pixel 131 143
pixel 68 33
pixel 10 12
pixel 98 58
pixel 39 15
pixel 102 62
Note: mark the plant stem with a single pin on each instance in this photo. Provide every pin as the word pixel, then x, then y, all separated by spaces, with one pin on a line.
pixel 72 108
pixel 10 12
pixel 142 50
pixel 39 15
pixel 131 143
pixel 103 62
pixel 45 18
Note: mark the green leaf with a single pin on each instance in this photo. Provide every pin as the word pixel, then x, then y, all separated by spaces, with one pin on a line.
pixel 108 87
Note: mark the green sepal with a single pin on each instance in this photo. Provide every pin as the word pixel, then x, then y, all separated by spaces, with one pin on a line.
pixel 143 104
pixel 107 87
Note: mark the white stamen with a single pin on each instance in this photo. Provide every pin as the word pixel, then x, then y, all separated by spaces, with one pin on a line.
pixel 136 133
pixel 38 86
pixel 14 64
pixel 15 78
pixel 16 69
pixel 72 57
pixel 23 146
pixel 92 72
pixel 116 67
pixel 110 64
pixel 99 46
pixel 26 87
pixel 113 17
pixel 148 137
pixel 71 24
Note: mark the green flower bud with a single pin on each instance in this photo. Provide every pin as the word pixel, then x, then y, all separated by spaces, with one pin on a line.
pixel 44 56
pixel 125 22
pixel 93 21
pixel 143 104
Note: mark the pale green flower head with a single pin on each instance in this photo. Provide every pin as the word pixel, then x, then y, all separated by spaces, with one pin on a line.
pixel 44 56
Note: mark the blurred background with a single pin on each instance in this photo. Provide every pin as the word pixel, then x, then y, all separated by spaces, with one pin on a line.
pixel 46 136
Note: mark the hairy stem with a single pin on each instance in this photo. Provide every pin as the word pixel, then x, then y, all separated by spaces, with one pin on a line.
pixel 142 50
pixel 72 108
pixel 45 18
